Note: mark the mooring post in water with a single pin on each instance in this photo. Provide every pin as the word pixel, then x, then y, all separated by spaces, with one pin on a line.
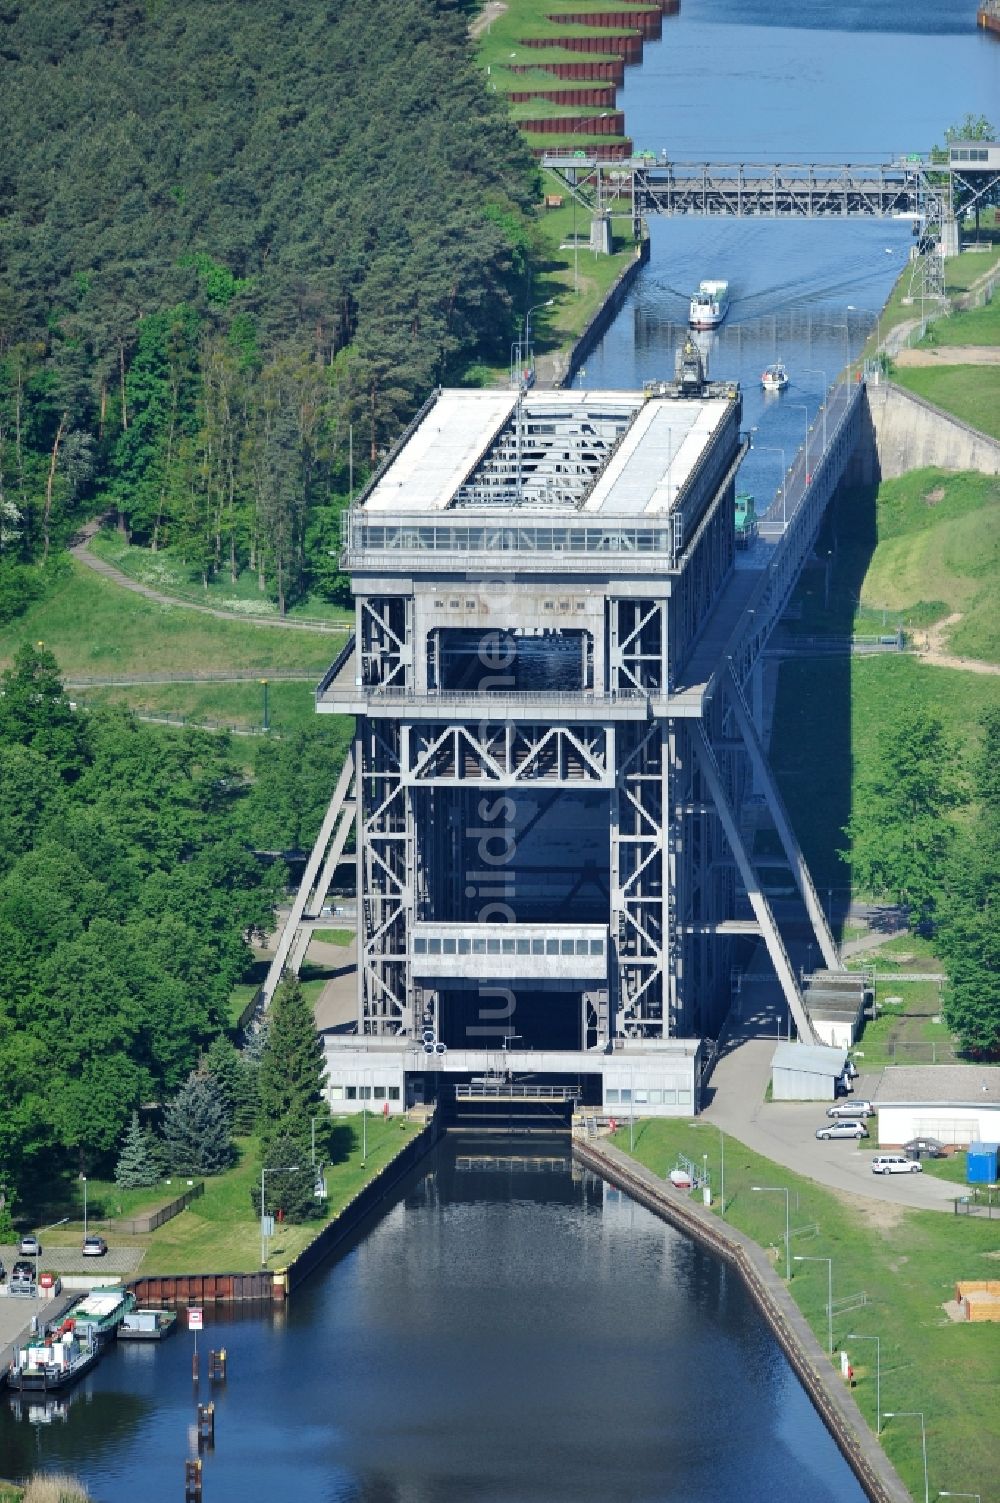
pixel 192 1481
pixel 217 1366
pixel 194 1363
pixel 206 1425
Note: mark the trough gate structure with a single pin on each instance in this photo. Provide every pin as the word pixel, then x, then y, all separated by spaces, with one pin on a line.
pixel 552 751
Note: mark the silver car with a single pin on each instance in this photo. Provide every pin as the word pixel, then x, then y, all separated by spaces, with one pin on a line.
pixel 842 1130
pixel 851 1109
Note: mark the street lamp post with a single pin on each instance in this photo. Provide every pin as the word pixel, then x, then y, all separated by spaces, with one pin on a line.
pixel 810 1258
pixel 277 1169
pixel 631 1111
pixel 264 686
pixel 826 392
pixel 84 1179
pixel 802 407
pixel 856 1336
pixel 773 449
pixel 915 1414
pixel 943 1494
pixel 722 1175
pixel 843 328
pixel 780 1190
pixel 527 324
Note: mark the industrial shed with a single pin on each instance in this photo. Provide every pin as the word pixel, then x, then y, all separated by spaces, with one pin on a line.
pixel 957 1104
pixel 806 1072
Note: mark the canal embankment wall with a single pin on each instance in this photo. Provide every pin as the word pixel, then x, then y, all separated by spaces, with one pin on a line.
pixel 560 367
pixel 834 1403
pixel 902 432
pixel 267 1285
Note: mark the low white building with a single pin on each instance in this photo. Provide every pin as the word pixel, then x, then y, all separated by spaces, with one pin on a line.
pixel 957 1104
pixel 806 1072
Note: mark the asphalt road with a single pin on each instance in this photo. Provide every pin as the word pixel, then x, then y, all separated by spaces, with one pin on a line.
pixel 785 1130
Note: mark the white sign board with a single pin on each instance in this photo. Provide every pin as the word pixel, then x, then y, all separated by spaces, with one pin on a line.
pixel 195 1318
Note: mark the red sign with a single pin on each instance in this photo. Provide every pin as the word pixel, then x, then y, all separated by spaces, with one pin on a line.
pixel 195 1318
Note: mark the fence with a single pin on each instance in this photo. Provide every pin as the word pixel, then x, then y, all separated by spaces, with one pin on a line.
pixel 138 1226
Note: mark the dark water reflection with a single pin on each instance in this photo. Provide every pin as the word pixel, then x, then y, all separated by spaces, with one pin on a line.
pixel 512 1329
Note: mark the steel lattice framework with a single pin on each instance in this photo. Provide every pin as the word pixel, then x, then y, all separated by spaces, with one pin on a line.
pixel 660 737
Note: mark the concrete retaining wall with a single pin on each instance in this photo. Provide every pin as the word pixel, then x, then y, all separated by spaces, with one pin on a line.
pixel 604 316
pixel 902 432
pixel 822 1382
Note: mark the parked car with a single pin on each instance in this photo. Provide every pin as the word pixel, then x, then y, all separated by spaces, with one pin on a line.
pixel 895 1163
pixel 924 1148
pixel 851 1070
pixel 3 1272
pixel 853 1129
pixel 94 1247
pixel 850 1109
pixel 30 1245
pixel 22 1269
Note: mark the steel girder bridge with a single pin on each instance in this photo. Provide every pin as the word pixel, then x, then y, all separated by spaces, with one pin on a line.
pixel 913 189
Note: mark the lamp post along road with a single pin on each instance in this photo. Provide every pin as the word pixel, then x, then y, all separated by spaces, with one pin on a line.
pixel 780 1190
pixel 277 1169
pixel 810 1258
pixel 826 393
pixel 855 1336
pixel 84 1179
pixel 773 449
pixel 915 1414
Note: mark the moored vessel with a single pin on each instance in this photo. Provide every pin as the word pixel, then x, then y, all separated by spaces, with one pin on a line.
pixel 147 1325
pixel 709 305
pixel 47 1363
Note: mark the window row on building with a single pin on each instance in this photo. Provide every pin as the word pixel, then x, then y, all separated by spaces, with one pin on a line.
pixel 470 946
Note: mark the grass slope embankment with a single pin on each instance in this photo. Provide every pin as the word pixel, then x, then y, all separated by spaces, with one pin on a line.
pixel 921 549
pixel 969 392
pixel 905 1263
pixel 97 628
pixel 220 1232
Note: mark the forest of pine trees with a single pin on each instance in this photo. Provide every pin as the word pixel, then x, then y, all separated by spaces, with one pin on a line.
pixel 229 234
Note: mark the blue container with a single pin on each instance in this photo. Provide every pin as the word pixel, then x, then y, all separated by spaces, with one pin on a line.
pixel 981 1163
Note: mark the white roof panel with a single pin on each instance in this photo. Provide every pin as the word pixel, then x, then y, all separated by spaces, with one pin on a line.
pixel 443 449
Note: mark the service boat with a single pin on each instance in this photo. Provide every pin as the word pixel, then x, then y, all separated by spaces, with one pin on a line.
pixel 53 1361
pixel 147 1325
pixel 101 1313
pixel 709 305
pixel 774 377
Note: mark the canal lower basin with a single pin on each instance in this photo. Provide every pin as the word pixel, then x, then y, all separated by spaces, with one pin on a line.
pixel 511 1328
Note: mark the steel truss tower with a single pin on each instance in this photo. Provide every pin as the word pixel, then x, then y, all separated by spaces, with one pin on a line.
pixel 553 753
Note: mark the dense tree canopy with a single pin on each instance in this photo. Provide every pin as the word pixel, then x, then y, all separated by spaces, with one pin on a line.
pixel 126 900
pixel 228 233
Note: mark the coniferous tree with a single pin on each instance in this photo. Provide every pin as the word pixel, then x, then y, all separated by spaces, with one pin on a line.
pixel 236 1079
pixel 137 1163
pixel 196 1129
pixel 290 1087
pixel 291 1189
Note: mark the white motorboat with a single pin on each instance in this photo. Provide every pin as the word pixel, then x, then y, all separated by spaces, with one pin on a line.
pixel 709 305
pixel 774 377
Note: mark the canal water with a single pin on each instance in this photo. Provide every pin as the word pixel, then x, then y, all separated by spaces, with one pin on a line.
pixel 758 81
pixel 512 1329
pixel 515 1331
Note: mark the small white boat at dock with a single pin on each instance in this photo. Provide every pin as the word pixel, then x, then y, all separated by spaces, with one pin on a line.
pixel 774 377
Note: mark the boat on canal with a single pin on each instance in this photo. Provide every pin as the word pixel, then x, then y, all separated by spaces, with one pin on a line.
pixel 774 377
pixel 47 1363
pixel 709 305
pixel 147 1325
pixel 101 1312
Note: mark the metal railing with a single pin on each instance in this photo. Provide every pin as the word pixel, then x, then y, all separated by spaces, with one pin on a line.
pixel 512 1091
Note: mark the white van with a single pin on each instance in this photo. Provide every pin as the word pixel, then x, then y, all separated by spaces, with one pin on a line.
pixel 895 1163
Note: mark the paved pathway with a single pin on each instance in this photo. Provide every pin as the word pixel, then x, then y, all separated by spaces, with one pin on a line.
pixel 81 551
pixel 785 1130
pixel 951 354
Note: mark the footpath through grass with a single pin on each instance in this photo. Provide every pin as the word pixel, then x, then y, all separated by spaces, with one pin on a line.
pixel 905 1264
pixel 97 628
pixel 220 1232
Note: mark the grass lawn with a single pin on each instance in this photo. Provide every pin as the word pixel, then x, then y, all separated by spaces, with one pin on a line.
pixel 961 271
pixel 291 706
pixel 220 1232
pixel 170 574
pixel 827 720
pixel 970 392
pixel 906 1262
pixel 94 627
pixel 905 1032
pixel 334 936
pixel 974 326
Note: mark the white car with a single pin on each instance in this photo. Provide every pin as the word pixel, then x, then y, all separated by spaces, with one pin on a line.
pixel 850 1109
pixel 853 1129
pixel 895 1163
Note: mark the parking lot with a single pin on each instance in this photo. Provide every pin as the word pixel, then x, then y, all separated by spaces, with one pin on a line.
pixel 56 1259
